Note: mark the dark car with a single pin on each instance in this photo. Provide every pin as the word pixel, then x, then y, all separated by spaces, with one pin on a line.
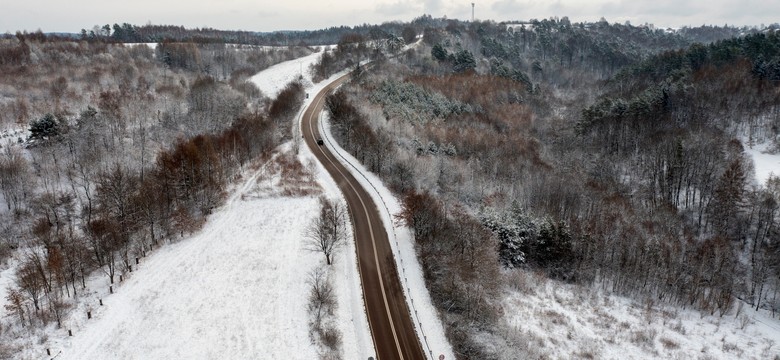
pixel 320 142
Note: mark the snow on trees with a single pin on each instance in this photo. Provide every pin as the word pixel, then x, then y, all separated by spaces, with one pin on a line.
pixel 328 231
pixel 416 104
pixel 45 127
pixel 515 231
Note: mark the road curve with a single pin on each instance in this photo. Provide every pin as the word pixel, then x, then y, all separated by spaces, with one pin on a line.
pixel 388 315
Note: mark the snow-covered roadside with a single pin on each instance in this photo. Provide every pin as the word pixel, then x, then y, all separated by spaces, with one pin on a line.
pixel 426 318
pixel 351 314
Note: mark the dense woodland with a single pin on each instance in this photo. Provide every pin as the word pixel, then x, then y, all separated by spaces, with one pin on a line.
pixel 600 154
pixel 128 33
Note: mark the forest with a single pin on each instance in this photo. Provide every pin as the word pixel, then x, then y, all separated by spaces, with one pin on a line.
pixel 599 154
pixel 605 155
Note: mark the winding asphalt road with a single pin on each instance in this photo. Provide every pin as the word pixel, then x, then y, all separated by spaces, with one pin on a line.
pixel 388 315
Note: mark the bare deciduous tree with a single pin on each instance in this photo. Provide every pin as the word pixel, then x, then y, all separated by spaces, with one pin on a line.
pixel 322 298
pixel 327 231
pixel 15 177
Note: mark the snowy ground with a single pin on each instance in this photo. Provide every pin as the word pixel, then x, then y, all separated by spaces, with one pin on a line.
pixel 560 321
pixel 765 163
pixel 272 80
pixel 236 289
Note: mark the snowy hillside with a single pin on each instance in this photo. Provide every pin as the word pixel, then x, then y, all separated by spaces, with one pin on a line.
pixel 239 287
pixel 273 80
pixel 549 319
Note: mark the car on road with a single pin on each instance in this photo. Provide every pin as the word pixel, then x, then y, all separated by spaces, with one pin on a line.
pixel 320 142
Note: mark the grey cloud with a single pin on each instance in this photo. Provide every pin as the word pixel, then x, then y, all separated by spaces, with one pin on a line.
pixel 749 12
pixel 400 8
pixel 657 8
pixel 503 6
pixel 433 7
pixel 530 9
pixel 558 8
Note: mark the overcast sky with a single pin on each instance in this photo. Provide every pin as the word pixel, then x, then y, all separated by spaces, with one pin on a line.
pixel 267 15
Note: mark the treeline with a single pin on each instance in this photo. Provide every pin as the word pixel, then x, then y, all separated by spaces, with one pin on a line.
pixel 761 50
pixel 355 135
pixel 166 74
pixel 224 61
pixel 460 268
pixel 352 48
pixel 129 213
pixel 554 50
pixel 706 34
pixel 129 33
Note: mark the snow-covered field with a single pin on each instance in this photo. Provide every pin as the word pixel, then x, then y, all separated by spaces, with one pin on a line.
pixel 237 289
pixel 272 80
pixel 563 321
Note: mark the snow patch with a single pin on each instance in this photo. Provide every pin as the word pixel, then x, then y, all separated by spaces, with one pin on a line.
pixel 766 163
pixel 274 79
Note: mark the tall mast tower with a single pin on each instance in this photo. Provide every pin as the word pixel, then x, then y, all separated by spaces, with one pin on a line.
pixel 472 12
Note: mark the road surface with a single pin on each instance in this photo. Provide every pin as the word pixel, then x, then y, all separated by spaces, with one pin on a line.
pixel 388 315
